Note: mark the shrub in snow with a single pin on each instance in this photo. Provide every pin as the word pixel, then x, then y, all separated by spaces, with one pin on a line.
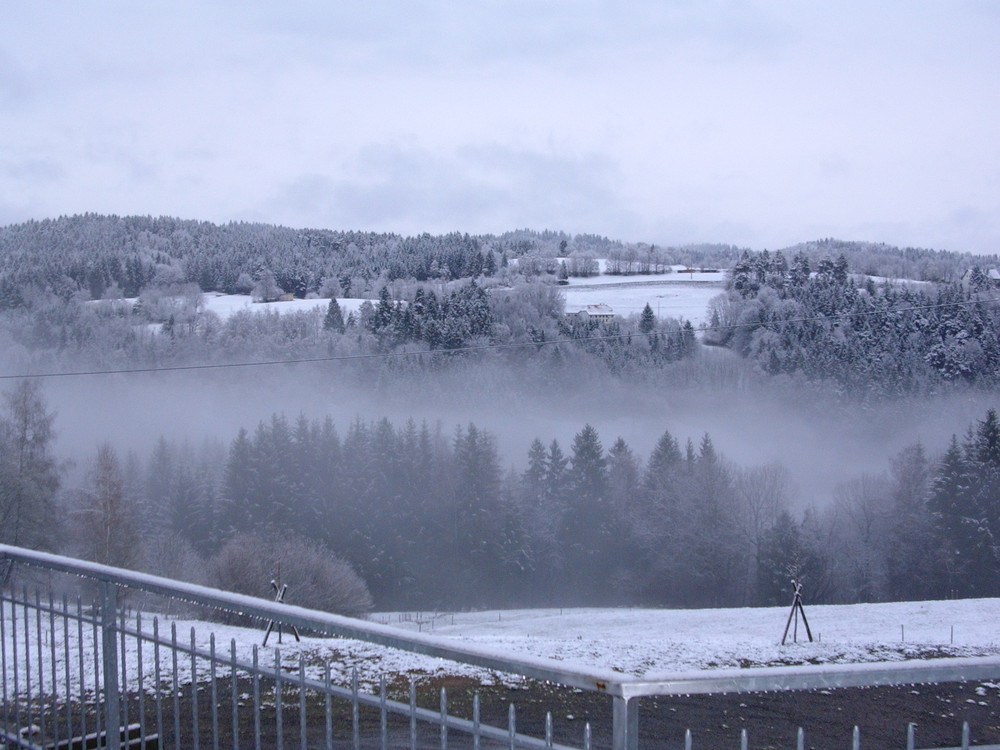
pixel 316 577
pixel 170 555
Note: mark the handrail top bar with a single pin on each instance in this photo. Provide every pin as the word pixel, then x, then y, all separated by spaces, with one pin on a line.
pixel 815 676
pixel 731 680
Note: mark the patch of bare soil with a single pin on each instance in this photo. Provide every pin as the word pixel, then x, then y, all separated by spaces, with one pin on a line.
pixel 827 717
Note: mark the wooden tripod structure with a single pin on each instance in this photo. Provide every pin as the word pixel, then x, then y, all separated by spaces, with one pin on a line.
pixel 796 611
pixel 279 596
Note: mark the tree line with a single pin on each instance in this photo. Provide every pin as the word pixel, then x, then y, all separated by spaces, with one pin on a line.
pixel 103 256
pixel 100 256
pixel 867 338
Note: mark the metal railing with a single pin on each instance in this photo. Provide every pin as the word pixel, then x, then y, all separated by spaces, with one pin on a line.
pixel 77 676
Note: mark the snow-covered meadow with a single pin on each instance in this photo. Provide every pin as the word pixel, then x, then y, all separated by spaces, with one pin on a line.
pixel 227 305
pixel 635 642
pixel 675 295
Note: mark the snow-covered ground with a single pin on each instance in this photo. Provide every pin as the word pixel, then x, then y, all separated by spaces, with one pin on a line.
pixel 672 295
pixel 643 642
pixel 637 642
pixel 226 305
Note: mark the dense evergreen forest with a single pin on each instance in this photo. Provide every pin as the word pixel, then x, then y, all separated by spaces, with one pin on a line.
pixel 99 256
pixel 885 338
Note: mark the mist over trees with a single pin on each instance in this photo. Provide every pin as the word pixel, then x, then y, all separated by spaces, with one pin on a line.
pixel 414 514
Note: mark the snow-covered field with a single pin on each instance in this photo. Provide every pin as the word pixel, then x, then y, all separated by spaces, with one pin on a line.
pixel 644 642
pixel 637 642
pixel 226 305
pixel 673 295
pixel 670 295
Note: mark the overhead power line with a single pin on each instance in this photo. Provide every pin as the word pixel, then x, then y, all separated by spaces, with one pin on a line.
pixel 483 347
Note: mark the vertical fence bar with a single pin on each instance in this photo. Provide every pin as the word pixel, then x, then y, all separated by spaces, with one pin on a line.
pixel 800 739
pixel 911 740
pixel 83 681
pixel 355 718
pixel 965 735
pixel 511 727
pixel 157 687
pixel 66 670
pixel 27 654
pixel 548 729
pixel 856 739
pixel 141 677
pixel 256 698
pixel 413 714
pixel 53 666
pixel 744 739
pixel 476 724
pixel 234 694
pixel 176 693
pixel 124 677
pixel 3 660
pixel 327 707
pixel 625 723
pixel 95 642
pixel 302 702
pixel 588 737
pixel 687 739
pixel 279 701
pixel 383 714
pixel 195 733
pixel 13 641
pixel 444 719
pixel 41 665
pixel 109 642
pixel 214 691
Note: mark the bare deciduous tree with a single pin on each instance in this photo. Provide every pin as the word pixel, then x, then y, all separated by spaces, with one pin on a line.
pixel 107 525
pixel 29 474
pixel 762 494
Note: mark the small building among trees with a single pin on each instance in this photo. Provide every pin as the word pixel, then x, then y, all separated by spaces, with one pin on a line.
pixel 600 312
pixel 977 278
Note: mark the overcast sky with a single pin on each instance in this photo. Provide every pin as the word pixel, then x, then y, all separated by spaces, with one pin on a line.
pixel 759 124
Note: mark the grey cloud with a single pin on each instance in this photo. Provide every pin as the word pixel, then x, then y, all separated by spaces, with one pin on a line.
pixel 35 171
pixel 489 187
pixel 14 88
pixel 500 32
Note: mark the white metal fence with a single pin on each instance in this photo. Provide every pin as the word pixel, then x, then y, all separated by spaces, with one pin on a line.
pixel 78 675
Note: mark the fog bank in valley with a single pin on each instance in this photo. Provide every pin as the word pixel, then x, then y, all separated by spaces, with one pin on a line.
pixel 821 440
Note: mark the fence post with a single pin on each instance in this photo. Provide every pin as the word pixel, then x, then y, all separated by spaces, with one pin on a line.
pixel 625 723
pixel 109 649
